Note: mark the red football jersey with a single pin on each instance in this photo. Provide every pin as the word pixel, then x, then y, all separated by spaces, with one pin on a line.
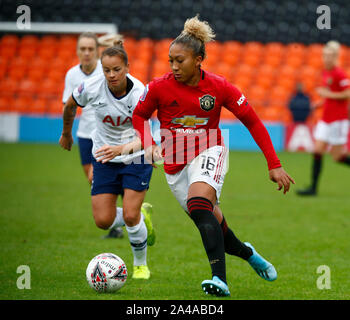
pixel 335 109
pixel 189 117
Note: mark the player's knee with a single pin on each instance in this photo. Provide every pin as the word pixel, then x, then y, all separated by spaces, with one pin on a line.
pixel 198 204
pixel 103 222
pixel 131 217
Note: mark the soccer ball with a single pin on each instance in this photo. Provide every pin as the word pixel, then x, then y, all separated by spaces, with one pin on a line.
pixel 106 273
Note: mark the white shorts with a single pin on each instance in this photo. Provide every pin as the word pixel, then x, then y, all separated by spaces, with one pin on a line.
pixel 210 166
pixel 334 133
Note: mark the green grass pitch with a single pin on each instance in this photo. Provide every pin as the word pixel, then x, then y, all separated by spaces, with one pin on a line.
pixel 46 224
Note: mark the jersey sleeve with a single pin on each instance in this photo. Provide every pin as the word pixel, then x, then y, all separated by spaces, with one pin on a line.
pixel 146 106
pixel 238 104
pixel 68 88
pixel 80 95
pixel 343 80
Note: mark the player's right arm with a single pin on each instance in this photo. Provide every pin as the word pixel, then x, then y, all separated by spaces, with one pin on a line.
pixel 69 111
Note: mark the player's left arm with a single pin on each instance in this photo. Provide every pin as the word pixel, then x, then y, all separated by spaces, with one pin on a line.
pixel 343 82
pixel 338 95
pixel 69 111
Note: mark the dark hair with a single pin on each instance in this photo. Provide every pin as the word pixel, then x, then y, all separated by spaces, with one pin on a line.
pixel 90 35
pixel 116 50
pixel 195 35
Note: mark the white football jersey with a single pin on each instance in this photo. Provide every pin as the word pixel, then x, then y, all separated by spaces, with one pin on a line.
pixel 74 77
pixel 113 115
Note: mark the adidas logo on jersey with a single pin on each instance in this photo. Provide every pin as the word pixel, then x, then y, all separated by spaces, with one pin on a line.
pixel 206 173
pixel 174 104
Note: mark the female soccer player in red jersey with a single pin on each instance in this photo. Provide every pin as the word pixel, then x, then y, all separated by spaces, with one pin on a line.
pixel 332 130
pixel 188 101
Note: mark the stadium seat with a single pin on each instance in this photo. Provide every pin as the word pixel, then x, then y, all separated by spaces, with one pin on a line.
pixel 28 87
pixel 39 106
pixel 22 104
pixel 29 41
pixel 55 107
pixel 27 53
pixel 7 52
pixel 46 53
pixel 256 96
pixel 9 40
pixel 6 103
pixel 49 41
pixel 50 89
pixel 8 87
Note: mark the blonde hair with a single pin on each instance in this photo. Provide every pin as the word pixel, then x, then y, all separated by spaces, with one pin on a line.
pixel 195 35
pixel 110 40
pixel 198 29
pixel 333 45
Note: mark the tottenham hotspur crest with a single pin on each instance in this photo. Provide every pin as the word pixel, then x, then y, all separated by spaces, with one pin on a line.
pixel 207 102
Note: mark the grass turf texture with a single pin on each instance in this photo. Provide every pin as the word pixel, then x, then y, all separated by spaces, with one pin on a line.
pixel 46 223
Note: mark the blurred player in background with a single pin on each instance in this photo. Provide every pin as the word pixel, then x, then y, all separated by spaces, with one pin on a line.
pixel 331 132
pixel 89 66
pixel 118 167
pixel 188 102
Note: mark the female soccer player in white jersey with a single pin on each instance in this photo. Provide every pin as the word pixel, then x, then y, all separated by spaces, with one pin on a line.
pixel 113 97
pixel 188 101
pixel 88 67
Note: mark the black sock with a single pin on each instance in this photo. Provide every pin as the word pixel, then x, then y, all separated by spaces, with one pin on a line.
pixel 201 212
pixel 233 245
pixel 345 160
pixel 316 169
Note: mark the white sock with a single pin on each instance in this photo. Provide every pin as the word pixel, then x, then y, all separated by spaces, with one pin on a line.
pixel 119 220
pixel 138 241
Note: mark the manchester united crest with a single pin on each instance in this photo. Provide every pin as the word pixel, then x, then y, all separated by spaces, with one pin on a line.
pixel 207 102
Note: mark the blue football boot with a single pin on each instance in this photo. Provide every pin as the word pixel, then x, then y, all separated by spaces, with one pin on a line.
pixel 215 286
pixel 261 266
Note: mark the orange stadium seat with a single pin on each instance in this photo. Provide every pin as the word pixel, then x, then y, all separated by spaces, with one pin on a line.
pixel 46 52
pixel 6 103
pixel 7 52
pixel 36 75
pixel 27 53
pixel 278 96
pixel 130 46
pixel 275 48
pixel 55 106
pixel 29 87
pixel 67 42
pixel 223 70
pixel 50 89
pixel 9 40
pixel 232 47
pixel 49 41
pixel 8 87
pixel 21 104
pixel 256 96
pixel 29 41
pixel 39 106
pixel 295 49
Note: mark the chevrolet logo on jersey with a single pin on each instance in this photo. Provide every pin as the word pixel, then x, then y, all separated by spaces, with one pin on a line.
pixel 190 121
